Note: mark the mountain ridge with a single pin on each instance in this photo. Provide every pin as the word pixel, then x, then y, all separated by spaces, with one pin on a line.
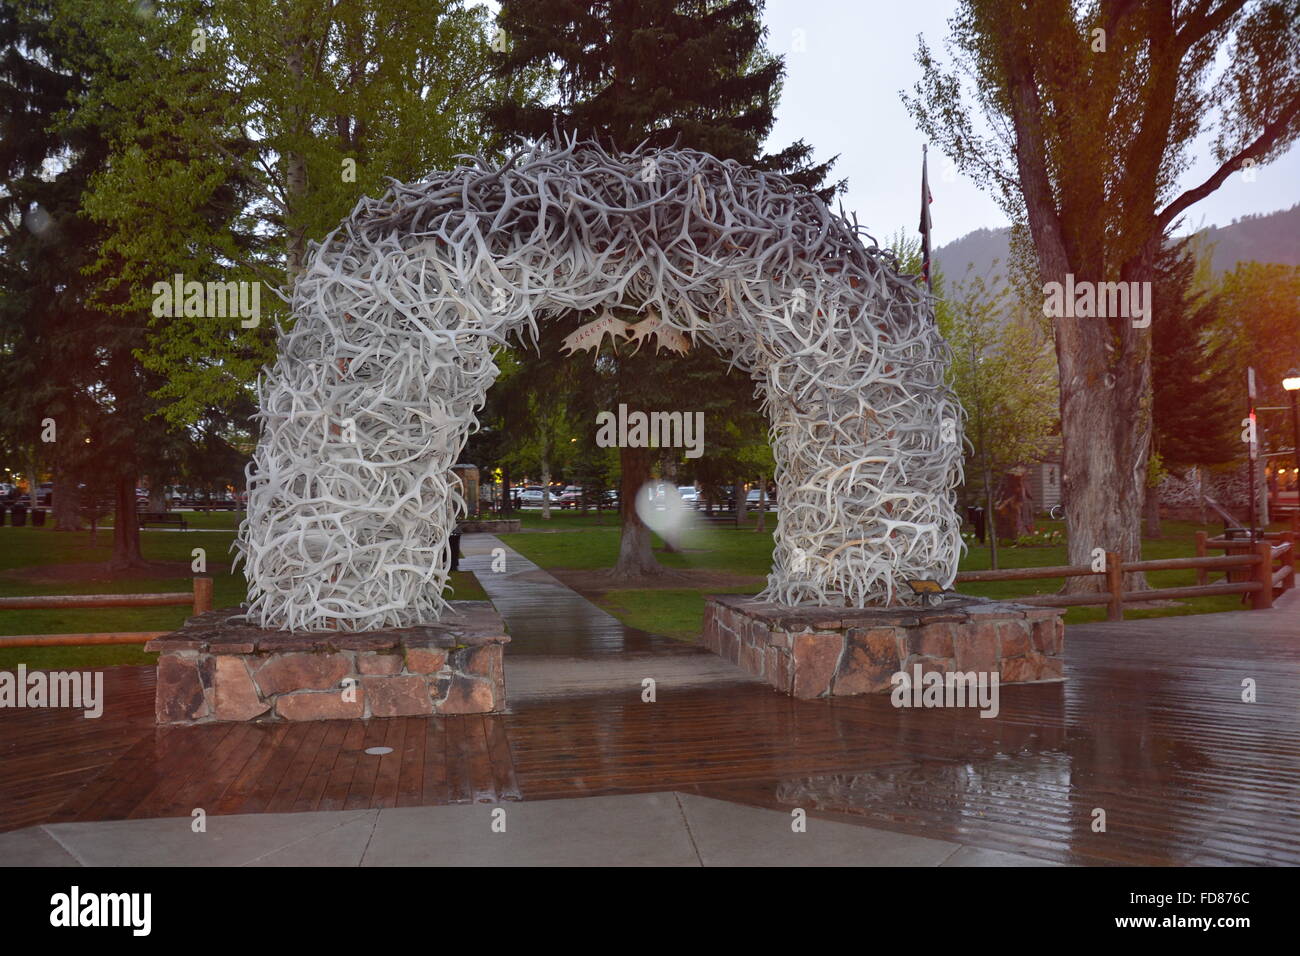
pixel 1259 237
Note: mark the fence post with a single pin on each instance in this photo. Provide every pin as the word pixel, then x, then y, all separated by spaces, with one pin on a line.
pixel 202 595
pixel 1288 557
pixel 1263 598
pixel 1202 551
pixel 1115 584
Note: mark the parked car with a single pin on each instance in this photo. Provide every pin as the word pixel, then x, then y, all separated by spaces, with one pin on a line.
pixel 571 497
pixel 532 497
pixel 752 500
pixel 689 495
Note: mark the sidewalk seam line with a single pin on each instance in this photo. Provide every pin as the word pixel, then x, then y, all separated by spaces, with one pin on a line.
pixel 309 836
pixel 687 824
pixel 66 848
pixel 373 827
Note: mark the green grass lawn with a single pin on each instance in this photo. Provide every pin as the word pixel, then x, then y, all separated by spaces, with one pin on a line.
pixel 23 549
pixel 678 612
pixel 568 541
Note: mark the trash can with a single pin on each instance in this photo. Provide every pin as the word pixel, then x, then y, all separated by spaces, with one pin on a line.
pixel 455 550
pixel 20 516
pixel 38 518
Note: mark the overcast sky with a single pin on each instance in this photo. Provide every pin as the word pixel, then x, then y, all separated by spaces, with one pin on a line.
pixel 841 95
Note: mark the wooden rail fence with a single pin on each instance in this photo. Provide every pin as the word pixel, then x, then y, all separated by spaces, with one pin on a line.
pixel 1260 579
pixel 1250 571
pixel 200 598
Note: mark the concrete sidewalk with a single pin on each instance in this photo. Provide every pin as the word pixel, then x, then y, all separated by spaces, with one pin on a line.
pixel 562 645
pixel 656 829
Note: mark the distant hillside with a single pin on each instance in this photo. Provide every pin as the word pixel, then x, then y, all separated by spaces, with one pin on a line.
pixel 1270 237
pixel 978 248
pixel 1273 237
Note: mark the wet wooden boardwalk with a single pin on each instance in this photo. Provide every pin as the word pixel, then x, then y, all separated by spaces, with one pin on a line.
pixel 1150 728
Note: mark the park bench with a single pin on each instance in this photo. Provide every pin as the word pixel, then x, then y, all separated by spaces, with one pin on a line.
pixel 160 517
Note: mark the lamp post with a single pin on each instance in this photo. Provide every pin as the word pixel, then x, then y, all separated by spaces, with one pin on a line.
pixel 1292 384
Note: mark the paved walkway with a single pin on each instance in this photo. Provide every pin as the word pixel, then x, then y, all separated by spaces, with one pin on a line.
pixel 562 645
pixel 650 829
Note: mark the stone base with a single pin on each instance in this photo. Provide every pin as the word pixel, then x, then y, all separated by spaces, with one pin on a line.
pixel 220 668
pixel 836 652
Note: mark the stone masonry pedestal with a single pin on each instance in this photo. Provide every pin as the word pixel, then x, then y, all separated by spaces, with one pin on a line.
pixel 835 652
pixel 220 668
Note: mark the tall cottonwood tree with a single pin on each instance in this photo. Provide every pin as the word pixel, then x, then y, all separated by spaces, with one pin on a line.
pixel 1094 107
pixel 693 73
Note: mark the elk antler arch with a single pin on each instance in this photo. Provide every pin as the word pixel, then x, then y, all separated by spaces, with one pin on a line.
pixel 375 388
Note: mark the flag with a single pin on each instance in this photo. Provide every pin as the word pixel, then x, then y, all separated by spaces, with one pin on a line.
pixel 926 199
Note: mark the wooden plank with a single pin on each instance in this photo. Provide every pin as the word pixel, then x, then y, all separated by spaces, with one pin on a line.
pixel 1065 600
pixel 166 599
pixel 1023 574
pixel 278 769
pixel 322 766
pixel 1210 590
pixel 458 786
pixel 482 782
pixel 435 788
pixel 390 765
pixel 1115 586
pixel 76 640
pixel 410 784
pixel 269 739
pixel 503 762
pixel 362 787
pixel 335 794
pixel 1263 598
pixel 1177 564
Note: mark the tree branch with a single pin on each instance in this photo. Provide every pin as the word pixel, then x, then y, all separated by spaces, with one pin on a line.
pixel 1262 144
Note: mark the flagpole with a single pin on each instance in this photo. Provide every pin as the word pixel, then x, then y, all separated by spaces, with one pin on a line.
pixel 926 265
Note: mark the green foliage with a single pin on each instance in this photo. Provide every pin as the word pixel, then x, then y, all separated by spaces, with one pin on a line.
pixel 1195 400
pixel 1004 374
pixel 666 72
pixel 234 148
pixel 1002 367
pixel 659 71
pixel 1258 325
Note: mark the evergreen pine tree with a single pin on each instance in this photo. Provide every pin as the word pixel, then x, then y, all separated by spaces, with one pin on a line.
pixel 690 73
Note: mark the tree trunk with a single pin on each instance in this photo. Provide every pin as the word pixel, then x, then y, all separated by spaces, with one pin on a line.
pixel 1200 494
pixel 991 520
pixel 741 502
pixel 1104 369
pixel 761 523
pixel 635 557
pixel 159 500
pixel 67 502
pixel 295 165
pixel 546 489
pixel 507 505
pixel 1106 434
pixel 126 530
pixel 1152 508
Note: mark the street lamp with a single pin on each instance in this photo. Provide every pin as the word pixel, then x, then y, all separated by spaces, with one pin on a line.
pixel 1292 384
